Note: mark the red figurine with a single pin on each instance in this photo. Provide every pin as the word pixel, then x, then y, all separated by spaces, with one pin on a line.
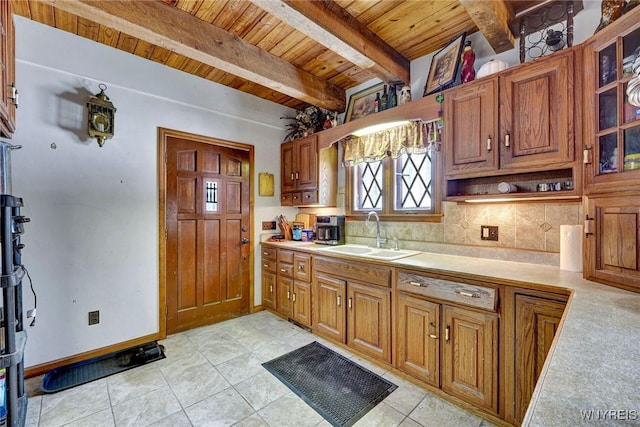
pixel 468 58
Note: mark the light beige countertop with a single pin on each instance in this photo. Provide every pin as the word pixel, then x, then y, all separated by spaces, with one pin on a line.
pixel 592 374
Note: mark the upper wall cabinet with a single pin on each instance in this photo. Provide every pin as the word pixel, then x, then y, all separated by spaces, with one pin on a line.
pixel 611 124
pixel 8 92
pixel 309 176
pixel 516 126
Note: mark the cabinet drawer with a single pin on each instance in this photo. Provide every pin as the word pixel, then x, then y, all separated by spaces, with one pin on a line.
pixel 447 290
pixel 269 253
pixel 285 256
pixel 269 265
pixel 309 197
pixel 302 267
pixel 364 273
pixel 285 269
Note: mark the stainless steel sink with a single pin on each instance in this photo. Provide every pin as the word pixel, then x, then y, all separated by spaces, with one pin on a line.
pixel 367 252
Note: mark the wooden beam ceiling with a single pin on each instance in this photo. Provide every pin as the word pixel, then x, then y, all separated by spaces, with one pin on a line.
pixel 185 34
pixel 492 18
pixel 331 26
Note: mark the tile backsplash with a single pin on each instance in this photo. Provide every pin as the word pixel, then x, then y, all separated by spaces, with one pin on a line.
pixel 527 232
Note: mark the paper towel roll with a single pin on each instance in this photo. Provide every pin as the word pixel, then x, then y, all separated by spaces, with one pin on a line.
pixel 571 247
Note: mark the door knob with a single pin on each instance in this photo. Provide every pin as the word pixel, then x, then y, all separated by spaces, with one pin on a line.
pixel 244 240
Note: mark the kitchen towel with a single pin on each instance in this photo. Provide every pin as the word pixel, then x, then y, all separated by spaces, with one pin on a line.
pixel 571 247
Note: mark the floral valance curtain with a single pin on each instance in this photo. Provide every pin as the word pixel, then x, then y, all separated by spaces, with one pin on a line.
pixel 405 138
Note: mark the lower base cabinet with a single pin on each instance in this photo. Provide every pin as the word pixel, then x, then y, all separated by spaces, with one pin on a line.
pixel 470 356
pixel 351 311
pixel 458 353
pixel 536 322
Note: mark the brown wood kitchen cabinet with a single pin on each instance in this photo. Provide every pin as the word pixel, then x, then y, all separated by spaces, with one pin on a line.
pixel 517 126
pixel 293 286
pixel 611 128
pixel 308 175
pixel 612 240
pixel 447 335
pixel 611 125
pixel 352 305
pixel 269 277
pixel 537 320
pixel 8 92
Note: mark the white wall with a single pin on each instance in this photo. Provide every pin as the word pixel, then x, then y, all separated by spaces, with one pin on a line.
pixel 92 243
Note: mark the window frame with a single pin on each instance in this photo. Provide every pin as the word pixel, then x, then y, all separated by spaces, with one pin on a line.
pixel 388 213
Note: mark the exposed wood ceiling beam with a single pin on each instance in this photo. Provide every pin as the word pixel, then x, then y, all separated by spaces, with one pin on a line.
pixel 492 17
pixel 182 33
pixel 331 26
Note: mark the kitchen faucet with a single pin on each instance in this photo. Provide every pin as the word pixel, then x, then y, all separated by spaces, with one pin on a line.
pixel 379 240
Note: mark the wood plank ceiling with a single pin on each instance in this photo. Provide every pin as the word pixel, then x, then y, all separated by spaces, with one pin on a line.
pixel 291 52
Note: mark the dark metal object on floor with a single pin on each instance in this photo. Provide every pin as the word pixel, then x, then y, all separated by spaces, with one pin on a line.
pixel 100 367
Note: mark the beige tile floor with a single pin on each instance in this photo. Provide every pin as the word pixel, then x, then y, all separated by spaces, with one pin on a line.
pixel 212 376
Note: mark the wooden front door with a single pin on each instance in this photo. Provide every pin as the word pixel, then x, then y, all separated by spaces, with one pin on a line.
pixel 207 232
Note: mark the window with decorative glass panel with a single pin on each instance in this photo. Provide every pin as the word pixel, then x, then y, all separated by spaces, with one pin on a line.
pixel 402 187
pixel 392 171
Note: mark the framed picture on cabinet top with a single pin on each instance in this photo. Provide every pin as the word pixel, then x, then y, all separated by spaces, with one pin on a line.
pixel 362 103
pixel 444 66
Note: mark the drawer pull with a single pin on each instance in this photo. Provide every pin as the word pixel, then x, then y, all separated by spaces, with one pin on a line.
pixel 467 294
pixel 301 267
pixel 282 270
pixel 418 284
pixel 265 253
pixel 265 265
pixel 435 337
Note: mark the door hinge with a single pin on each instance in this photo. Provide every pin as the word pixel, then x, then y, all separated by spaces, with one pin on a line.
pixel 166 311
pixel 165 157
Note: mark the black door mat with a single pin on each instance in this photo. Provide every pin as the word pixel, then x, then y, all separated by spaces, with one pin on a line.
pixel 335 387
pixel 100 367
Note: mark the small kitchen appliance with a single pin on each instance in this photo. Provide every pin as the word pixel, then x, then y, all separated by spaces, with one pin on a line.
pixel 330 230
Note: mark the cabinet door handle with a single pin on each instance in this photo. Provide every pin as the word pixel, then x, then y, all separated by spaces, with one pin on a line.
pixel 588 226
pixel 350 304
pixel 507 142
pixel 467 294
pixel 294 297
pixel 270 289
pixel 288 295
pixel 297 175
pixel 14 95
pixel 446 333
pixel 339 300
pixel 586 155
pixel 292 176
pixel 489 144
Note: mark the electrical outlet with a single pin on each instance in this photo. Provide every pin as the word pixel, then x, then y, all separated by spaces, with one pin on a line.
pixel 489 232
pixel 94 317
pixel 268 225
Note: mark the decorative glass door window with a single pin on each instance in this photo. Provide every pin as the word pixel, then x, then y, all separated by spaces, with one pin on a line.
pixel 211 196
pixel 618 131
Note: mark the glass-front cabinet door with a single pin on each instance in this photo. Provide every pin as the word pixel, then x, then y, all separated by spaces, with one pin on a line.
pixel 611 123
